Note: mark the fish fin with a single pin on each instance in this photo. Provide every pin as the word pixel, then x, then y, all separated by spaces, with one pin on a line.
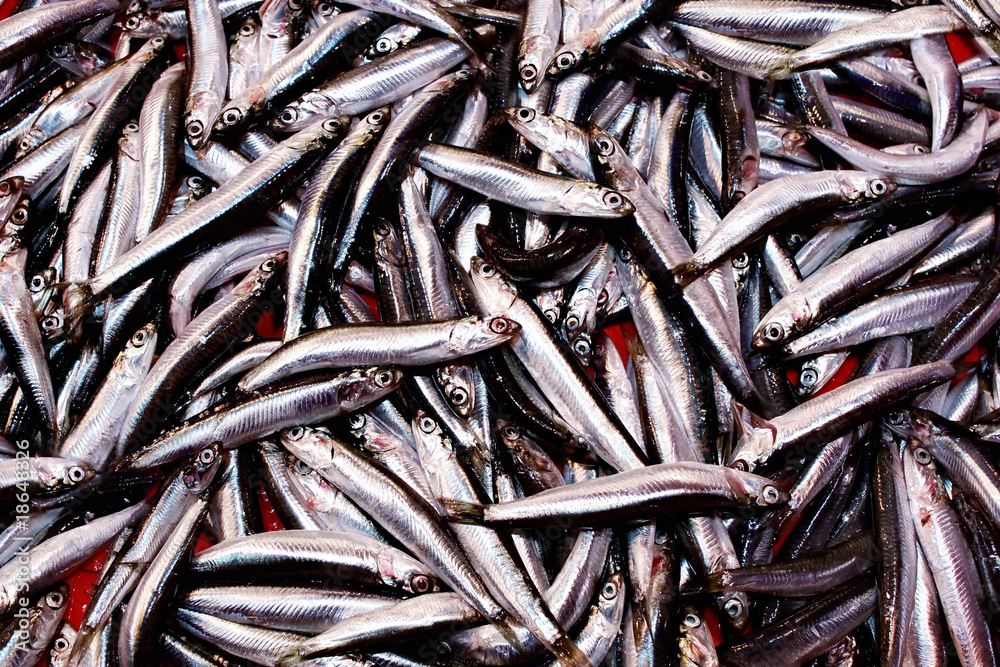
pixel 746 421
pixel 461 511
pixel 686 273
pixel 81 309
pixel 712 583
pixel 292 655
pixel 569 653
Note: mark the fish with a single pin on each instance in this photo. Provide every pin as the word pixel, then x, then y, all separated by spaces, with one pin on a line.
pixel 557 333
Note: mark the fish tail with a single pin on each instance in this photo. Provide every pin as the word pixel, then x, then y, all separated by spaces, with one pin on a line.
pixel 461 511
pixel 712 583
pixel 569 653
pixel 686 273
pixel 80 302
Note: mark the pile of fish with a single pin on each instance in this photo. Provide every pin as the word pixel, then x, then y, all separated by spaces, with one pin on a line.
pixel 537 332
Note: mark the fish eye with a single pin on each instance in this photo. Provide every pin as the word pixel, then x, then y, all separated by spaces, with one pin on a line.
pixel 196 182
pixel 296 432
pixel 20 215
pixel 60 644
pixel 774 332
pixel 605 146
pixel 295 5
pixel 288 116
pixel 458 396
pixel 420 583
pixel 529 73
pixel 25 144
pixel 808 377
pixel 922 456
pixel 376 117
pixel 895 418
pixel 581 346
pixel 499 325
pixel 331 125
pixel 357 421
pixel 5 187
pixel 734 608
pixel 383 378
pixel 878 187
pixel 37 283
pixel 302 467
pixel 268 266
pixel 487 270
pixel 565 60
pixel 139 339
pixel 248 29
pixel 426 424
pixel 572 322
pixel 76 474
pixel 158 41
pixel 613 199
pixel 51 323
pixel 609 591
pixel 662 536
pixel 510 432
pixel 59 50
pixel 771 496
pixel 195 128
pixel 702 75
pixel 132 127
pixel 206 456
pixel 919 150
pixel 741 261
pixel 324 8
pixel 525 114
pixel 55 599
pixel 384 45
pixel 231 116
pixel 692 621
pixel 132 23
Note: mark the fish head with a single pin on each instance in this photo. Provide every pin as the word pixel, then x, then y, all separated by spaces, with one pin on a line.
pixel 494 293
pixel 458 386
pixel 481 333
pixel 11 191
pixel 909 423
pixel 388 248
pixel 316 491
pixel 757 490
pixel 530 62
pixel 61 474
pixel 433 444
pixel 857 186
pixel 923 484
pixel 141 347
pixel 199 473
pixel 359 388
pixel 599 201
pixel 315 447
pixel 785 319
pixel 612 161
pixel 17 219
pixel 574 54
pixel 696 646
pixel 520 118
pixel 611 600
